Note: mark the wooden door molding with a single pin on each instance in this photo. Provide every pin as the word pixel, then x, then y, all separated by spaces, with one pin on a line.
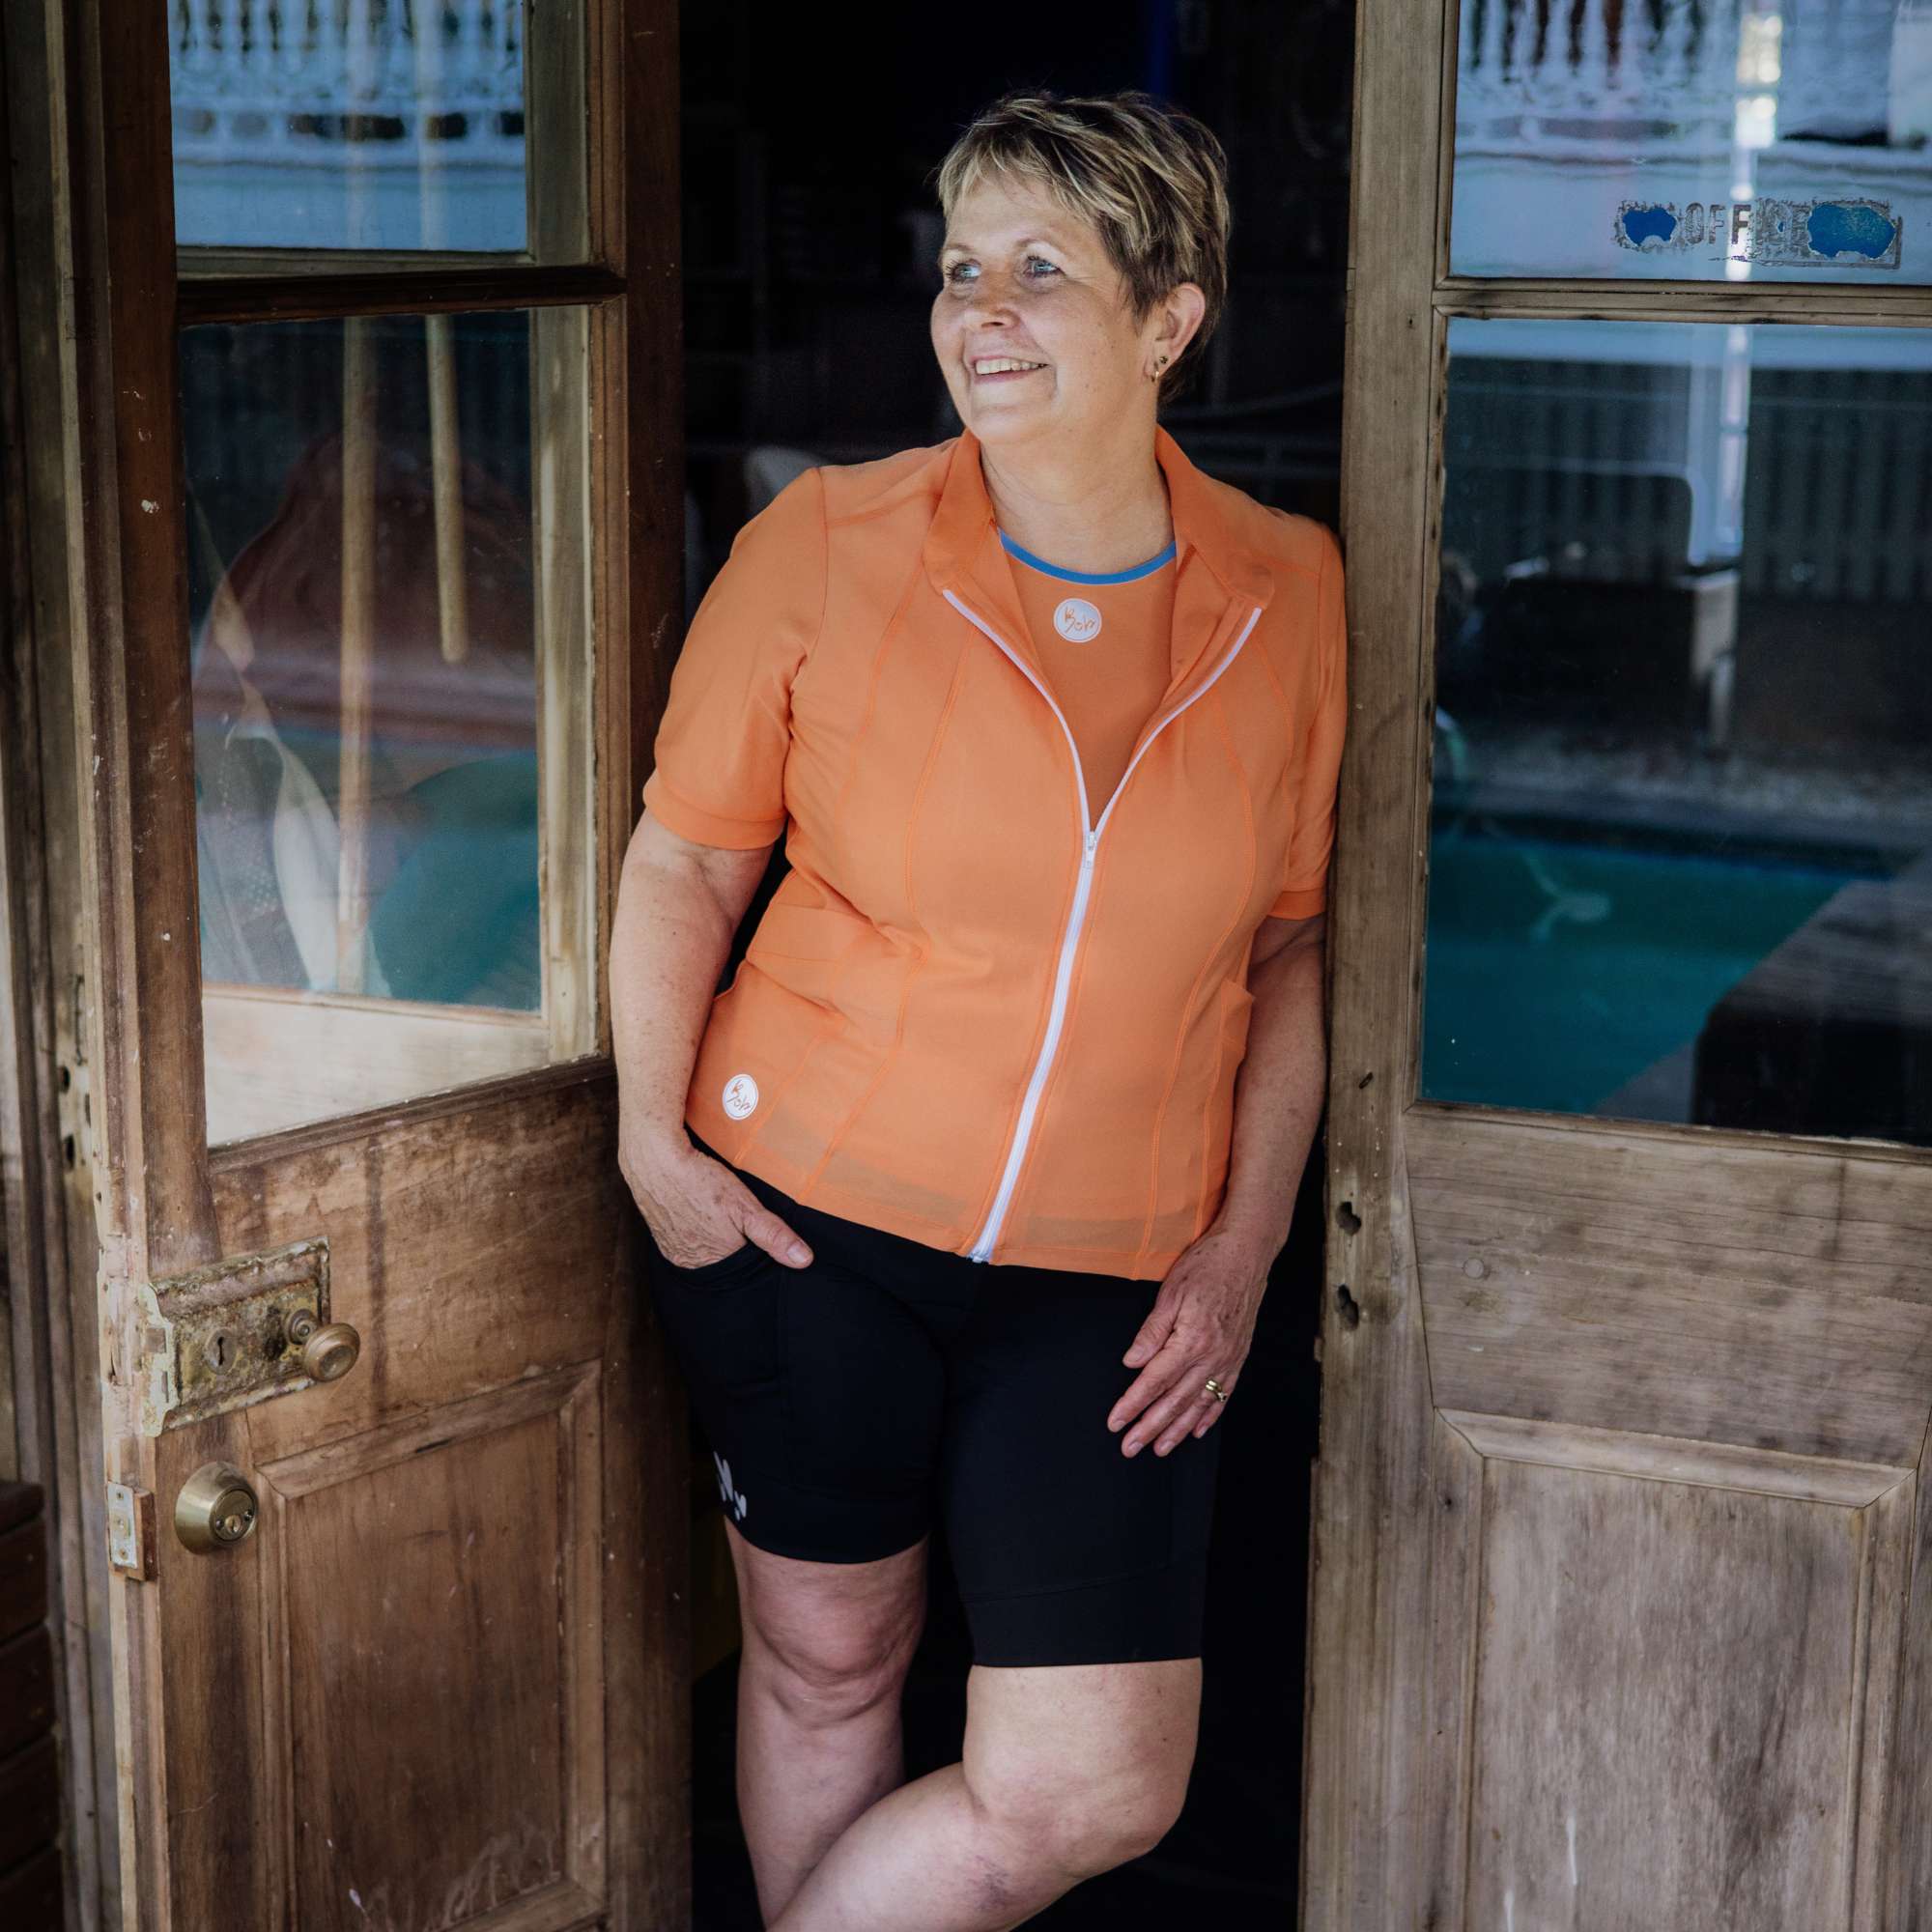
pixel 49 1225
pixel 1373 1831
pixel 1683 1368
pixel 153 1205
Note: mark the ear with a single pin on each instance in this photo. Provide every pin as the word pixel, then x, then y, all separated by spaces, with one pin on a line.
pixel 1176 319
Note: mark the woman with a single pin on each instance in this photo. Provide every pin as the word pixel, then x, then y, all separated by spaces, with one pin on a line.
pixel 959 1201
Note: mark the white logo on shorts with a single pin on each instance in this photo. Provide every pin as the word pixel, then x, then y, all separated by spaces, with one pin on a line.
pixel 1077 620
pixel 735 1498
pixel 741 1095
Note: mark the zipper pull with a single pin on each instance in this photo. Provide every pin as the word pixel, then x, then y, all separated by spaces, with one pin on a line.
pixel 1092 839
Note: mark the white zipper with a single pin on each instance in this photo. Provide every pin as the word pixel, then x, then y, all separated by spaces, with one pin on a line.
pixel 1063 978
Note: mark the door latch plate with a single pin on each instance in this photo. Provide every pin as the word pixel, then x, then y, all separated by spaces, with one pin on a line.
pixel 131 1531
pixel 221 1338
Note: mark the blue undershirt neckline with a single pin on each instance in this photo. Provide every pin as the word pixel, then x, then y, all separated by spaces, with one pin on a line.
pixel 1139 570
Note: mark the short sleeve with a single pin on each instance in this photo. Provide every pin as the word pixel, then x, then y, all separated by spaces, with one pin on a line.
pixel 1305 890
pixel 718 765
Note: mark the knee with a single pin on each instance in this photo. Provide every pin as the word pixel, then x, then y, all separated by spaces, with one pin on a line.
pixel 830 1672
pixel 1084 1825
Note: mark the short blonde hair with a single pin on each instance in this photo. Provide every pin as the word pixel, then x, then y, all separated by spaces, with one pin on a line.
pixel 1153 180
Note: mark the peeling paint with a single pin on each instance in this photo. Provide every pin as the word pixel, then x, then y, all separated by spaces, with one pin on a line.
pixel 1855 233
pixel 156 1393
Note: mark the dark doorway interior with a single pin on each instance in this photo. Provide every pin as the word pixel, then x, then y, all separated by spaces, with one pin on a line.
pixel 809 233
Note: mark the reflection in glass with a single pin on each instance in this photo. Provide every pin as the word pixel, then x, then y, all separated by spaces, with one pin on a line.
pixel 1742 140
pixel 365 704
pixel 1681 851
pixel 349 124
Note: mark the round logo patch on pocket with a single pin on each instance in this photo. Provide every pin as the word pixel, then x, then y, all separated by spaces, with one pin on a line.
pixel 741 1095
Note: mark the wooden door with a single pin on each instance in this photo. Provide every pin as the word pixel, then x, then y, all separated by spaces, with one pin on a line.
pixel 377 464
pixel 1622 1598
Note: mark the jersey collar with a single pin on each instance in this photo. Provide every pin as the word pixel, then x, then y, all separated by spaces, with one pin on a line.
pixel 1221 578
pixel 964 519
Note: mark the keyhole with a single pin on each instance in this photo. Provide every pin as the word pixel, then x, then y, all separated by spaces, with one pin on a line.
pixel 218 1352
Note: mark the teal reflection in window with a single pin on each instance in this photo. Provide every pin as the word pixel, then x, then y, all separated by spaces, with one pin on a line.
pixel 363 657
pixel 1681 845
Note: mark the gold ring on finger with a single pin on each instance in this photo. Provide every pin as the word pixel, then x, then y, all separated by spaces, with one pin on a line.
pixel 1211 1388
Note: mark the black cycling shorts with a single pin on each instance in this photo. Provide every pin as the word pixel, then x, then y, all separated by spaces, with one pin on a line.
pixel 846 1402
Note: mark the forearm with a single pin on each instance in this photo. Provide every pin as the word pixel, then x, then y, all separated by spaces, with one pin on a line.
pixel 669 941
pixel 1278 1095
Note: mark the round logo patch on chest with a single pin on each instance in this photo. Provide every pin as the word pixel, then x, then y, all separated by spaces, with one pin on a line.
pixel 741 1095
pixel 1077 620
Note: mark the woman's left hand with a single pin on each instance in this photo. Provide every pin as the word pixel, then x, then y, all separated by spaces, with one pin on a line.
pixel 1200 1324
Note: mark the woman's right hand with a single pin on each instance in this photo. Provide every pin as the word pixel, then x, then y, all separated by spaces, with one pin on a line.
pixel 697 1209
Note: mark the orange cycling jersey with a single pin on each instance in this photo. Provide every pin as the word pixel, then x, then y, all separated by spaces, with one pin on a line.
pixel 982 1010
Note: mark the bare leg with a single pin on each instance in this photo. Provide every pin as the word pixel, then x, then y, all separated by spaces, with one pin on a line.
pixel 827 1646
pixel 1068 1771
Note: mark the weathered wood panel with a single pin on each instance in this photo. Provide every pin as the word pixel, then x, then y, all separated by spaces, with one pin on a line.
pixel 1614 1452
pixel 473 1240
pixel 488 1517
pixel 1753 1295
pixel 1669 1705
pixel 470 1245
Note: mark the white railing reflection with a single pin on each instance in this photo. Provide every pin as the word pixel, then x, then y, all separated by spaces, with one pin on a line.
pixel 1655 77
pixel 1666 75
pixel 315 75
pixel 349 124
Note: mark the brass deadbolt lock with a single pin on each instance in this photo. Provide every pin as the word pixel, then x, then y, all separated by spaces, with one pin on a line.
pixel 328 1351
pixel 216 1508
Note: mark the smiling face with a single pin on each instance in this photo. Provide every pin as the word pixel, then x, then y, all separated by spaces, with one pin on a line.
pixel 1031 325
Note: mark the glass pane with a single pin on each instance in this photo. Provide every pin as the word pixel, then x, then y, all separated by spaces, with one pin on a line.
pixel 381 583
pixel 1723 140
pixel 349 124
pixel 1681 850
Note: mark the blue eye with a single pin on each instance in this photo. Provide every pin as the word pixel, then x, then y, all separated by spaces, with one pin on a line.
pixel 958 271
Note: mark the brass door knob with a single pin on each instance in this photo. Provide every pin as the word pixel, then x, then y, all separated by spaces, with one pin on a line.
pixel 330 1351
pixel 216 1508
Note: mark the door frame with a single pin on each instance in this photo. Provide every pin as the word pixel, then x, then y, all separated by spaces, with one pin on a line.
pixel 96 639
pixel 1384 1761
pixel 53 1252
